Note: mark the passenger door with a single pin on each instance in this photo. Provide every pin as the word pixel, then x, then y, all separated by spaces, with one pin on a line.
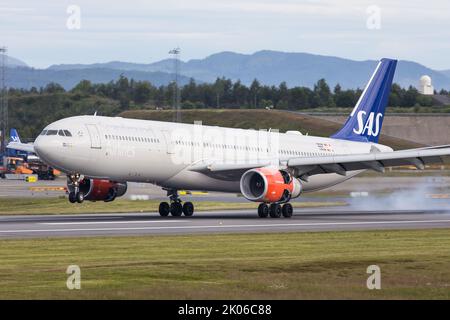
pixel 94 134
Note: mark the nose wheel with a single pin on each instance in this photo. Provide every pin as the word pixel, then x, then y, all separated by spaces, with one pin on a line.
pixel 275 210
pixel 176 208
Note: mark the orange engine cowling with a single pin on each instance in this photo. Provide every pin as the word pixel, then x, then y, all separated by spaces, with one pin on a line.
pixel 103 190
pixel 269 185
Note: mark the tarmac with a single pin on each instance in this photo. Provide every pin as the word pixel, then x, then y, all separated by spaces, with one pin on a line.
pixel 237 221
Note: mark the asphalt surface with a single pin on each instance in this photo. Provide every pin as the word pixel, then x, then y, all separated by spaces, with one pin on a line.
pixel 240 221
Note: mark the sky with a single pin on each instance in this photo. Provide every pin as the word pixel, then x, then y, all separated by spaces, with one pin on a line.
pixel 45 32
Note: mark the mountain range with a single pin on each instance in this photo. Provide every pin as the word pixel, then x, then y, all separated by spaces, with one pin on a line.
pixel 269 67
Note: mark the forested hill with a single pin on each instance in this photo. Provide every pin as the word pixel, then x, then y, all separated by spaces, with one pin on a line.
pixel 31 110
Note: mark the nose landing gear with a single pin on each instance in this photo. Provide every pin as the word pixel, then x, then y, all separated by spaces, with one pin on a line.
pixel 175 208
pixel 75 195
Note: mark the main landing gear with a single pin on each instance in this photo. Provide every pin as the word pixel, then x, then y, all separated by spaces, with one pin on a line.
pixel 75 195
pixel 175 208
pixel 275 210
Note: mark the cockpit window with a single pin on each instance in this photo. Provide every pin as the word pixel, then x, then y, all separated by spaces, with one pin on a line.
pixel 67 132
pixel 44 132
pixel 61 133
pixel 52 132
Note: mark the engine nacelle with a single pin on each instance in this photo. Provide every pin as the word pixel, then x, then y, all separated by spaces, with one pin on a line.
pixel 269 185
pixel 101 190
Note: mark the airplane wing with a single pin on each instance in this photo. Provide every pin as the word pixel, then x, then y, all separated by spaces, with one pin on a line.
pixel 340 164
pixel 21 146
pixel 307 166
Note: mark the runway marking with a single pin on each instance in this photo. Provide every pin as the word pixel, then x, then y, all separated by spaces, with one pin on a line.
pixel 231 226
pixel 111 222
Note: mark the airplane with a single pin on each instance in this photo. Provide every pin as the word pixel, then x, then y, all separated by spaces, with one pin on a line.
pixel 101 154
pixel 14 135
pixel 16 144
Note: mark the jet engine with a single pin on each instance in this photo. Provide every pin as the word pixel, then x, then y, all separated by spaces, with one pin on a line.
pixel 101 190
pixel 269 185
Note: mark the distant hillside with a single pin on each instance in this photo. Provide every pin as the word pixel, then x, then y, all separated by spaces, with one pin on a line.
pixel 446 72
pixel 13 62
pixel 273 67
pixel 269 67
pixel 29 77
pixel 259 119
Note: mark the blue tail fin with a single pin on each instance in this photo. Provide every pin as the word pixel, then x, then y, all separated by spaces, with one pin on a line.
pixel 14 136
pixel 365 121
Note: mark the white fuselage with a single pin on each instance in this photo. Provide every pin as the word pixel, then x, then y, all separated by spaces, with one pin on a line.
pixel 162 152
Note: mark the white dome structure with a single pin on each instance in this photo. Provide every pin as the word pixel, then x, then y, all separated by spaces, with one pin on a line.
pixel 425 86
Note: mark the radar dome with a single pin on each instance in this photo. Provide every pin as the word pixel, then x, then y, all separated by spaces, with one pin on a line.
pixel 425 80
pixel 425 86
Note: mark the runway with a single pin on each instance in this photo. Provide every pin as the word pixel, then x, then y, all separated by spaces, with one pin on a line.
pixel 241 221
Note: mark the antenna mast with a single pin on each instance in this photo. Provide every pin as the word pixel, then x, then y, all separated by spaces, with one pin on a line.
pixel 176 90
pixel 3 100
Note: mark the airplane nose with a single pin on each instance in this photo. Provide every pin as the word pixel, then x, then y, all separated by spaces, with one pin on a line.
pixel 45 148
pixel 37 144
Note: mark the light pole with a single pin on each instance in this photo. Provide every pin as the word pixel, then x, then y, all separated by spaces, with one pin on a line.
pixel 3 100
pixel 176 91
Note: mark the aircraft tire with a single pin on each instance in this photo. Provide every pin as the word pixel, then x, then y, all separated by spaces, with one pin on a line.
pixel 176 209
pixel 164 209
pixel 287 210
pixel 275 210
pixel 72 197
pixel 188 209
pixel 80 197
pixel 263 210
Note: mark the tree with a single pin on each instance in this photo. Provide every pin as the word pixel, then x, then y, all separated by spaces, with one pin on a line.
pixel 300 98
pixel 280 96
pixel 142 91
pixel 395 98
pixel 322 94
pixel 189 92
pixel 410 97
pixel 254 89
pixel 337 89
pixel 240 94
pixel 53 87
pixel 344 98
pixel 219 90
pixel 84 86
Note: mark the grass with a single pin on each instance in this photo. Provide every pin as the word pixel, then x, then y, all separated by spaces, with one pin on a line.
pixel 415 264
pixel 260 119
pixel 16 206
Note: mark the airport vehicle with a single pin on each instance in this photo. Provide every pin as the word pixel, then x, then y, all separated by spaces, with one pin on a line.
pixel 32 162
pixel 41 169
pixel 101 154
pixel 14 165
